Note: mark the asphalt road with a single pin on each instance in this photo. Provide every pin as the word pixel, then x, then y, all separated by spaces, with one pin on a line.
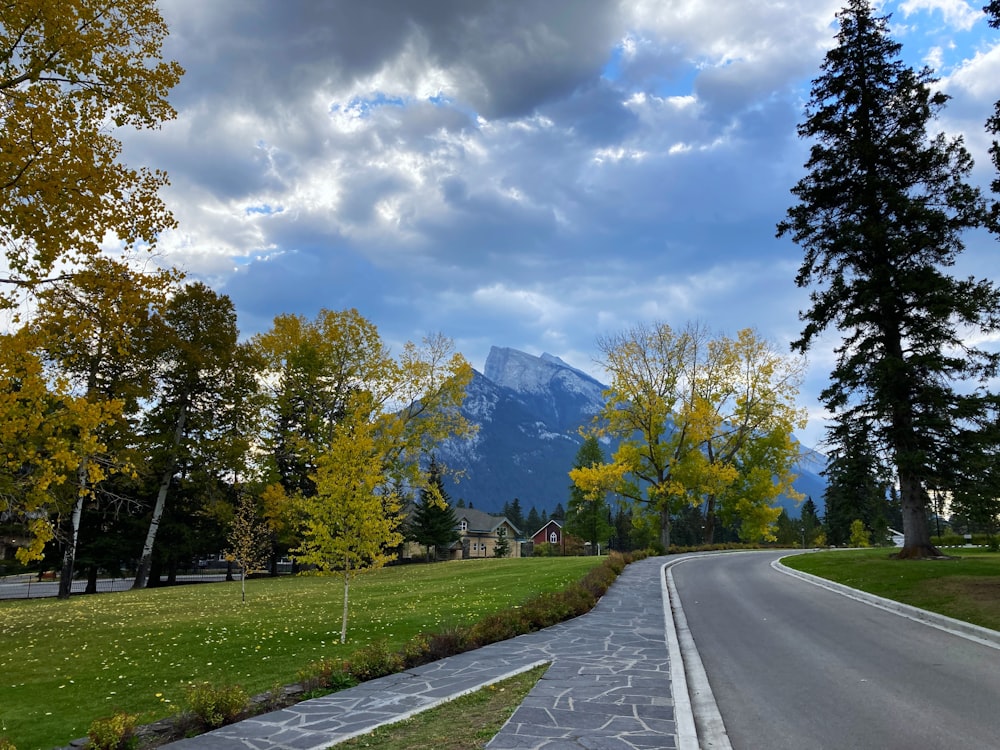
pixel 792 665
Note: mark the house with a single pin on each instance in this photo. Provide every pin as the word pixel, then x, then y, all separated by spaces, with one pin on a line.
pixel 479 533
pixel 550 533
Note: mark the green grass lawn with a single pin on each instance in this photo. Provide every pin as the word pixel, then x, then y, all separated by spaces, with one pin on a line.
pixel 65 663
pixel 966 587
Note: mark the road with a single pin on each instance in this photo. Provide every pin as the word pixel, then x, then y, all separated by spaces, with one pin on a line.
pixel 29 587
pixel 793 665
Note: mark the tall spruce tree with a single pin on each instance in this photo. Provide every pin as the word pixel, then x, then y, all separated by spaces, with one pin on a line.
pixel 433 523
pixel 881 215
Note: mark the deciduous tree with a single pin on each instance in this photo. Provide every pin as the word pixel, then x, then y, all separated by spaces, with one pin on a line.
pixel 249 543
pixel 45 433
pixel 351 521
pixel 881 216
pixel 70 70
pixel 97 328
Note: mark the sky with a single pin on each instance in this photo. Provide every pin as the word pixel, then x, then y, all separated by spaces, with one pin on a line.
pixel 520 173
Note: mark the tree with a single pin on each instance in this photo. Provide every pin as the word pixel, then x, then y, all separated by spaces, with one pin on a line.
pixel 433 523
pixel 311 368
pixel 514 513
pixel 201 378
pixel 812 527
pixel 993 125
pixel 859 534
pixel 351 520
pixel 880 216
pixel 69 70
pixel 856 482
pixel 559 514
pixel 533 522
pixel 97 328
pixel 502 547
pixel 45 433
pixel 588 515
pixel 700 422
pixel 248 540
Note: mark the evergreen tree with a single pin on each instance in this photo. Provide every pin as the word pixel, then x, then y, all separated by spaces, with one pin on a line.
pixel 588 512
pixel 811 525
pixel 461 502
pixel 559 514
pixel 515 514
pixel 993 124
pixel 433 523
pixel 856 483
pixel 881 214
pixel 533 522
pixel 502 547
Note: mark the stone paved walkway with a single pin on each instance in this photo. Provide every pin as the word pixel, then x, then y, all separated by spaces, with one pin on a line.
pixel 608 686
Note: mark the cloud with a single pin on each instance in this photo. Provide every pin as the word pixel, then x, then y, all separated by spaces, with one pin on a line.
pixel 958 14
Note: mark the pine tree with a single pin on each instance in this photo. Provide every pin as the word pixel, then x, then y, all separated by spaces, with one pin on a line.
pixel 433 523
pixel 533 522
pixel 881 215
pixel 515 514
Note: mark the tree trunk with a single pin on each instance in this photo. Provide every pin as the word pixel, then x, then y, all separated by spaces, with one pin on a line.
pixel 243 581
pixel 343 621
pixel 142 572
pixel 69 555
pixel 665 529
pixel 91 579
pixel 916 533
pixel 709 535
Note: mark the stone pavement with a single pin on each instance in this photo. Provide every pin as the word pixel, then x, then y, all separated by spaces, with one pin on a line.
pixel 608 686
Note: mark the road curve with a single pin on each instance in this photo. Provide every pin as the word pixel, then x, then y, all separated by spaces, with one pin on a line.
pixel 793 665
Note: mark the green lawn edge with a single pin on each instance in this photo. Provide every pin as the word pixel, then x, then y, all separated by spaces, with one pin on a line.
pixel 964 586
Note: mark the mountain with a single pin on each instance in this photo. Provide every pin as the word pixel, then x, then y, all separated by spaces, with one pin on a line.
pixel 529 411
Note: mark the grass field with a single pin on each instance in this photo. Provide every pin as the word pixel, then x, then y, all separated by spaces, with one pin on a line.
pixel 65 663
pixel 966 587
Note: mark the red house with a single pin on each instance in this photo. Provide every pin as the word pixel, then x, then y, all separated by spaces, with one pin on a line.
pixel 550 533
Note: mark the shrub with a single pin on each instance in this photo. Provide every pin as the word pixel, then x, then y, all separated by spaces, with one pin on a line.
pixel 499 626
pixel 6 744
pixel 373 661
pixel 325 674
pixel 215 705
pixel 113 733
pixel 547 550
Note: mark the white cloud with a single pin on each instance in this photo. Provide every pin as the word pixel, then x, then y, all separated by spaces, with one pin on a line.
pixel 956 13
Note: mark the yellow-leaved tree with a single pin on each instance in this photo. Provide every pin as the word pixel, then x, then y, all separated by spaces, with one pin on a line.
pixel 701 421
pixel 45 433
pixel 347 425
pixel 351 523
pixel 70 71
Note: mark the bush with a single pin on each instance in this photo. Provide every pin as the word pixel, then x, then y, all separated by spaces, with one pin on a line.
pixel 216 706
pixel 545 549
pixel 6 744
pixel 373 661
pixel 325 674
pixel 114 733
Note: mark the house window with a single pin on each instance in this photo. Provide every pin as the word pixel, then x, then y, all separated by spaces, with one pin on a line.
pixel 553 538
pixel 464 526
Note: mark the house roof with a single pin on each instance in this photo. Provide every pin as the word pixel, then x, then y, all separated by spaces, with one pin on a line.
pixel 481 521
pixel 548 523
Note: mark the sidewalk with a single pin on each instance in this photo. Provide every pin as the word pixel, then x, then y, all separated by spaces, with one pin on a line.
pixel 608 686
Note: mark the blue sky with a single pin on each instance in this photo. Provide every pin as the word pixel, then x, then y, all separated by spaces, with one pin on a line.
pixel 519 173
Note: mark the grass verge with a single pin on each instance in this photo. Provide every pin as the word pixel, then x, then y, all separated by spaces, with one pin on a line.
pixel 466 723
pixel 65 663
pixel 966 586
